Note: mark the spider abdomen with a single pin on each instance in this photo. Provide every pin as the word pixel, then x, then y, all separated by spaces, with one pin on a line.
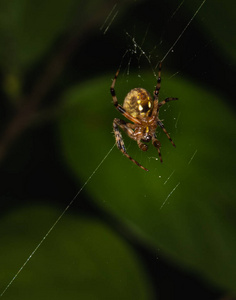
pixel 138 103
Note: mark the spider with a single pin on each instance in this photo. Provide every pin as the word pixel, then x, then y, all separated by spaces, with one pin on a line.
pixel 143 111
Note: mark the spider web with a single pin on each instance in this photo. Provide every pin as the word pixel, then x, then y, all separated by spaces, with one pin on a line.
pixel 139 56
pixel 135 54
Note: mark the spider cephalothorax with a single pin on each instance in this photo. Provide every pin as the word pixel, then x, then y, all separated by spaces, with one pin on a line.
pixel 143 111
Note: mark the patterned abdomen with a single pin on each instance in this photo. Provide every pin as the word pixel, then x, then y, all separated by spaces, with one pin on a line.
pixel 138 103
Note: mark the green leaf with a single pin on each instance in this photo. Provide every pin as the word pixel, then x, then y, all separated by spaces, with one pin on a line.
pixel 80 259
pixel 29 28
pixel 185 206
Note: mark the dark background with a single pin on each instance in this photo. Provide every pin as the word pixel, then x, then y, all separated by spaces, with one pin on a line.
pixel 47 49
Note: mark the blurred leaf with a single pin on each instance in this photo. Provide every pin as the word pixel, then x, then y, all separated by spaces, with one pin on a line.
pixel 81 259
pixel 185 206
pixel 28 29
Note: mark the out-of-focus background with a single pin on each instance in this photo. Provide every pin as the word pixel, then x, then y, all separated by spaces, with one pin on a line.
pixel 130 234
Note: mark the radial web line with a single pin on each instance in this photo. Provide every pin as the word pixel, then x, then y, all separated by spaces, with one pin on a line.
pixel 112 19
pixel 169 195
pixel 178 38
pixel 55 223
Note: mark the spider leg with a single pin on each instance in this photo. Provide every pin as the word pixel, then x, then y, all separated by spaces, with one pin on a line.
pixel 112 89
pixel 142 146
pixel 158 86
pixel 166 100
pixel 119 140
pixel 167 134
pixel 117 105
pixel 113 94
pixel 157 145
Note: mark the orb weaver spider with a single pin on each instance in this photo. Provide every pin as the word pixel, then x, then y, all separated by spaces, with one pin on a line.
pixel 143 111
